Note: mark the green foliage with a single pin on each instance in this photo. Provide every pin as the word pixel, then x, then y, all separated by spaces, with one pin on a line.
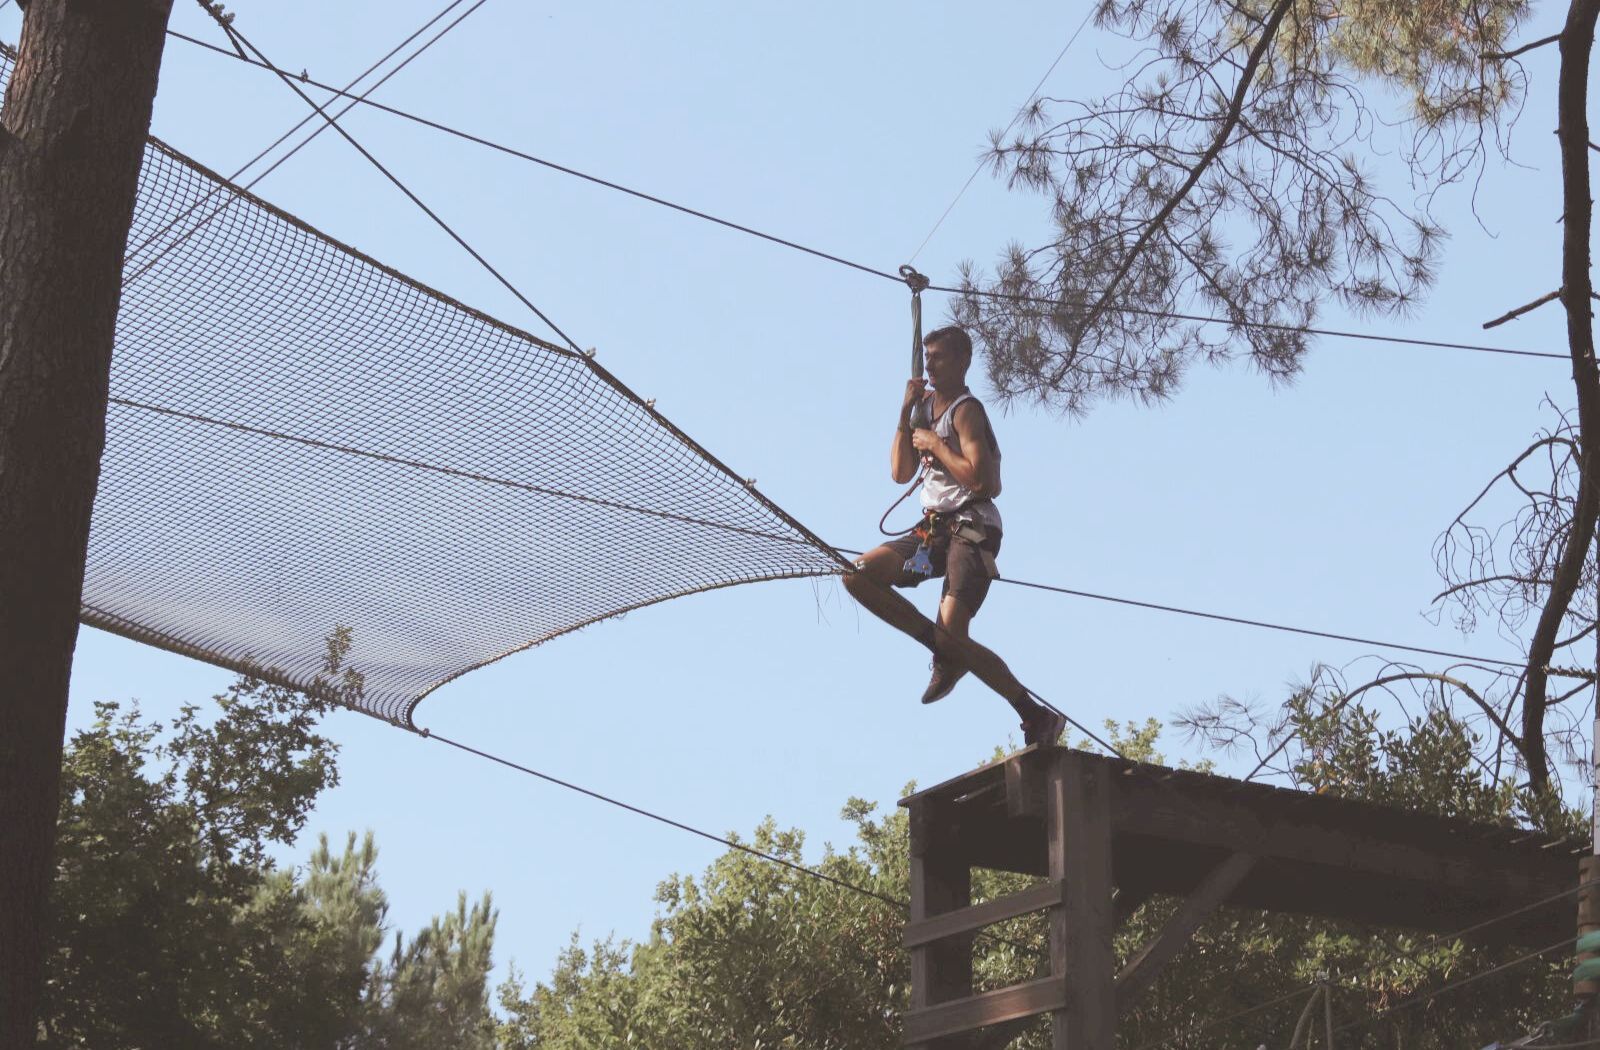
pixel 170 927
pixel 1232 174
pixel 753 955
pixel 433 992
pixel 750 955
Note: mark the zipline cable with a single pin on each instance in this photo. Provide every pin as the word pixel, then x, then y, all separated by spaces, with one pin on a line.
pixel 553 166
pixel 1264 624
pixel 247 165
pixel 1020 110
pixel 234 35
pixel 1265 325
pixel 841 260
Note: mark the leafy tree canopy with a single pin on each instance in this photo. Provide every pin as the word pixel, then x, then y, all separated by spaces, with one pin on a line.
pixel 170 926
pixel 752 955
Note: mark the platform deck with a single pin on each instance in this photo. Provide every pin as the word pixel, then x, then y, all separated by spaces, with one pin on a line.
pixel 1318 854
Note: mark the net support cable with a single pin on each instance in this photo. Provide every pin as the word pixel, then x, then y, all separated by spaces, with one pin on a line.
pixel 512 490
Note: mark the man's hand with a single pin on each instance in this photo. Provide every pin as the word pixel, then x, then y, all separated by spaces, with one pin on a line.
pixel 926 441
pixel 916 390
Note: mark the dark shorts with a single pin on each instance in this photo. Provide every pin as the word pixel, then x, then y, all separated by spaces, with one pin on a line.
pixel 955 559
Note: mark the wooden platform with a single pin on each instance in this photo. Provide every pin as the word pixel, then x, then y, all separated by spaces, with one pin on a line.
pixel 1106 834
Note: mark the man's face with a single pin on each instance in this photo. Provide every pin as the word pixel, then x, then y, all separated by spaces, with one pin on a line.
pixel 947 367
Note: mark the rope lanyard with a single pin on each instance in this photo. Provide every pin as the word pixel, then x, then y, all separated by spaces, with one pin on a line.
pixel 921 415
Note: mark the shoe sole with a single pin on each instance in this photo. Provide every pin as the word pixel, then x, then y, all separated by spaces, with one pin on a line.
pixel 932 698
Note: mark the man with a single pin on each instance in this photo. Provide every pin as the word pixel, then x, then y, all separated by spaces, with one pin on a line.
pixel 958 537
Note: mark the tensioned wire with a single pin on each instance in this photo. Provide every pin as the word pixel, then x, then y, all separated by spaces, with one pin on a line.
pixel 226 24
pixel 778 537
pixel 303 143
pixel 800 869
pixel 978 168
pixel 862 267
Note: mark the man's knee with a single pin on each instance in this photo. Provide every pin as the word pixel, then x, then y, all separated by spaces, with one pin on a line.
pixel 875 569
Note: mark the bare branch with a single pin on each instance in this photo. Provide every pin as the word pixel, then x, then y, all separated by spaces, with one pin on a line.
pixel 1501 56
pixel 1519 311
pixel 1230 122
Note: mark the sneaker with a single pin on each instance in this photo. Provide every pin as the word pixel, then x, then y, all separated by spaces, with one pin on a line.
pixel 1044 726
pixel 945 677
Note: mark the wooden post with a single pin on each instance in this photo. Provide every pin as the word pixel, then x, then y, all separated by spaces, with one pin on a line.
pixel 941 882
pixel 76 114
pixel 1078 824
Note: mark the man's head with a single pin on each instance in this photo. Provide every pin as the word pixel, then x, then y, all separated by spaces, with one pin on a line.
pixel 947 352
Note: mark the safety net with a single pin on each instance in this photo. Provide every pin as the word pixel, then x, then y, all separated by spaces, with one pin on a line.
pixel 301 439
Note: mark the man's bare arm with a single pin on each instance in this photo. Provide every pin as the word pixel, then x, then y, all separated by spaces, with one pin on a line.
pixel 976 468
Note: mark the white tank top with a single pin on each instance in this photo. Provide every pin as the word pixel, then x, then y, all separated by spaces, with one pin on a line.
pixel 941 493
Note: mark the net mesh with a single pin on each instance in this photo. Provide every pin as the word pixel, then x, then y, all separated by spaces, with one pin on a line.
pixel 300 439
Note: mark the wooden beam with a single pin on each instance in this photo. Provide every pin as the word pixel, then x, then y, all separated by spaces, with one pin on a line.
pixel 941 882
pixel 1078 826
pixel 1463 866
pixel 1034 898
pixel 1025 779
pixel 978 1011
pixel 1146 964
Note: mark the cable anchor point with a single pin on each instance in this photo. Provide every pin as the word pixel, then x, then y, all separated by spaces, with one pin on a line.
pixel 917 282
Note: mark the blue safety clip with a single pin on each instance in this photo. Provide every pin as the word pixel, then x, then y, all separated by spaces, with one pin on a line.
pixel 920 564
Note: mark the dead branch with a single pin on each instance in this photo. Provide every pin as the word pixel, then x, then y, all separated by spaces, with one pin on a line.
pixel 1501 56
pixel 1230 122
pixel 1512 315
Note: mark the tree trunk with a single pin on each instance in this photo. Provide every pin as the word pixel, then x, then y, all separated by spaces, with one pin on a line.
pixel 72 135
pixel 1577 40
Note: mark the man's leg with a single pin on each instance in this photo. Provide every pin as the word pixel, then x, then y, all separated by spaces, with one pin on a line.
pixel 870 585
pixel 955 621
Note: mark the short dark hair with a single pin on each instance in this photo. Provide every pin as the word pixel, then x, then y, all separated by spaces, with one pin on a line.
pixel 956 337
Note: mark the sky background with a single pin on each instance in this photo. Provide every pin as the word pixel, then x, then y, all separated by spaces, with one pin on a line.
pixel 848 127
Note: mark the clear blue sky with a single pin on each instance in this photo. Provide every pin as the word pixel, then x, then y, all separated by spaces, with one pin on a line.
pixel 849 127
